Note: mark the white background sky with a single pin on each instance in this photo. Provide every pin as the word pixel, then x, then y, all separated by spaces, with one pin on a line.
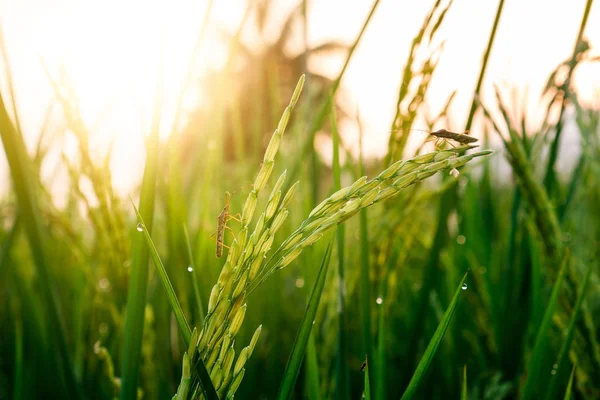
pixel 110 50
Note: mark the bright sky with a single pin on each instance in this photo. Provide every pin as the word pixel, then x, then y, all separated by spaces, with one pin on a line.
pixel 111 49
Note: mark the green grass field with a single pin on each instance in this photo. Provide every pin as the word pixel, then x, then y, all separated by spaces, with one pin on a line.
pixel 416 276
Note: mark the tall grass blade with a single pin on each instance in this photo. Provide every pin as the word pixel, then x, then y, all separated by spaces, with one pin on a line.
pixel 367 394
pixel 312 369
pixel 465 389
pixel 295 361
pixel 343 374
pixel 569 391
pixel 184 327
pixel 563 356
pixel 365 278
pixel 433 345
pixel 535 368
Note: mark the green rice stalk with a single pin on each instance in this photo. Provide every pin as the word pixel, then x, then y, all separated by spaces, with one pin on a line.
pixel 563 356
pixel 533 191
pixel 465 388
pixel 535 367
pixel 294 363
pixel 182 323
pixel 343 372
pixel 367 392
pixel 569 391
pixel 247 264
pixel 406 111
pixel 365 277
pixel 433 345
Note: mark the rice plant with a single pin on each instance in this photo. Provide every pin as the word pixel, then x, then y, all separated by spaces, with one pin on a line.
pixel 453 280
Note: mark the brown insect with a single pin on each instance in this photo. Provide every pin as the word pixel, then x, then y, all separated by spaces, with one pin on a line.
pixel 222 220
pixel 461 138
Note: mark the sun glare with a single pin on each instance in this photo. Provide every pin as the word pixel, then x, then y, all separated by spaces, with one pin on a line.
pixel 114 54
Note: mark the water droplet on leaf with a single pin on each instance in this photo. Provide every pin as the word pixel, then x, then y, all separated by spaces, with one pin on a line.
pixel 140 227
pixel 190 269
pixel 464 286
pixel 379 300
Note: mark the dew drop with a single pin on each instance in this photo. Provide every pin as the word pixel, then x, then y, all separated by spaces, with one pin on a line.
pixel 313 322
pixel 460 239
pixel 464 286
pixel 554 366
pixel 553 372
pixel 300 282
pixel 379 301
pixel 190 269
pixel 140 227
pixel 104 284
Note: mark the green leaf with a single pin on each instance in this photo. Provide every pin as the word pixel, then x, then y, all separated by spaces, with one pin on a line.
pixel 563 357
pixel 465 390
pixel 367 393
pixel 570 385
pixel 295 361
pixel 433 345
pixel 184 327
pixel 540 348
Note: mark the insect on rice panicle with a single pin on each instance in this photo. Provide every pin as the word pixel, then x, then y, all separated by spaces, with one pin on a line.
pixel 222 219
pixel 461 138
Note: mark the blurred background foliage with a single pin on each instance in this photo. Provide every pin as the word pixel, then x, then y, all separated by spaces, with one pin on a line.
pixel 65 271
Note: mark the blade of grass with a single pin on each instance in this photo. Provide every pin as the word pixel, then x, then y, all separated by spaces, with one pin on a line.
pixel 205 381
pixel 563 356
pixel 463 394
pixel 365 279
pixel 367 393
pixel 570 385
pixel 433 345
pixel 295 361
pixel 184 327
pixel 312 369
pixel 343 374
pixel 199 305
pixel 540 347
pixel 138 283
pixel 206 384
